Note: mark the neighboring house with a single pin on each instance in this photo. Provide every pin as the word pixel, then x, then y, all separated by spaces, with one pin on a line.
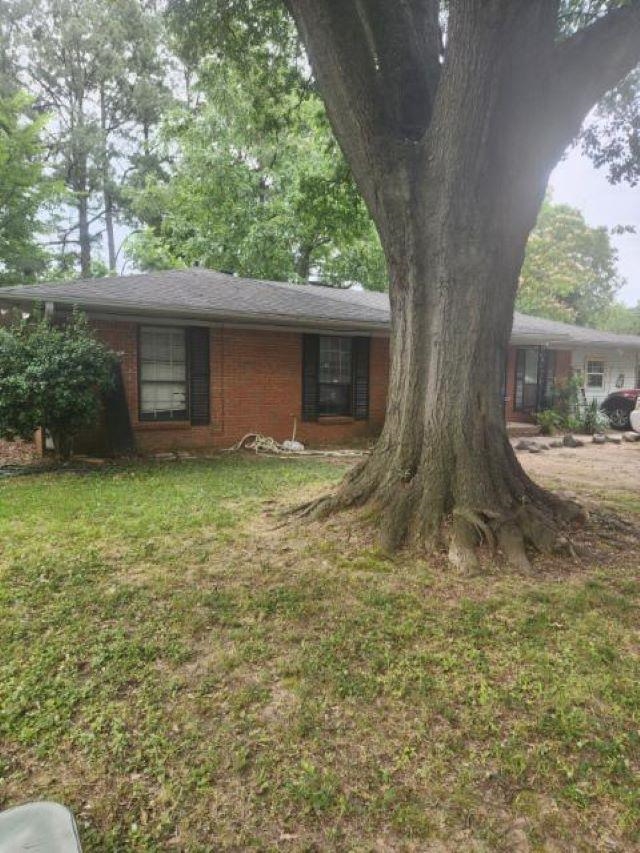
pixel 208 357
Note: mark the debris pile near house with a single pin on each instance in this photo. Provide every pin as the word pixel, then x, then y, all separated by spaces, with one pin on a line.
pixel 265 444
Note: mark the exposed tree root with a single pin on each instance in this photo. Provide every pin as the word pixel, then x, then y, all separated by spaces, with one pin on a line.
pixel 459 508
pixel 536 521
pixel 512 545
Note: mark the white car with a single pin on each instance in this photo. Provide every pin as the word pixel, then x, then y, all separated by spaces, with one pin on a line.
pixel 634 417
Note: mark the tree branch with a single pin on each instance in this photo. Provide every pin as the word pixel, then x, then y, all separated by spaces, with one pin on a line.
pixel 595 59
pixel 376 69
pixel 407 42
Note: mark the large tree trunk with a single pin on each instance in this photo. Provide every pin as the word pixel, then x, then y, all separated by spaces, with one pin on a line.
pixel 444 453
pixel 453 160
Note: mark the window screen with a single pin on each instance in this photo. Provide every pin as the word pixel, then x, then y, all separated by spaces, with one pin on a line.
pixel 163 374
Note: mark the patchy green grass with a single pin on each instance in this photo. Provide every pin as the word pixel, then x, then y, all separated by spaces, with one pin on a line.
pixel 186 675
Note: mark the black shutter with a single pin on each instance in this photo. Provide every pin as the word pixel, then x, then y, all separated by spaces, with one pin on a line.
pixel 198 345
pixel 310 357
pixel 120 437
pixel 361 379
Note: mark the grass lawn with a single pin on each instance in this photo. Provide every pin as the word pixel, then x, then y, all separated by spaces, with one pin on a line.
pixel 185 675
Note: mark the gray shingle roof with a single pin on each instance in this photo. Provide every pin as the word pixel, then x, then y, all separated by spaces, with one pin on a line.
pixel 201 294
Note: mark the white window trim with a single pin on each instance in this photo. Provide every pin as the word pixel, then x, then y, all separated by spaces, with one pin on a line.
pixel 588 373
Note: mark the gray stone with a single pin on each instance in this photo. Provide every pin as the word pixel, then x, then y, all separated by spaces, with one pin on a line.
pixel 572 441
pixel 534 449
pixel 614 439
pixel 631 436
pixel 599 438
pixel 523 444
pixel 556 443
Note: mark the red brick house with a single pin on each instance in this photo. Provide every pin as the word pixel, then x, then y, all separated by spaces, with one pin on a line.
pixel 208 357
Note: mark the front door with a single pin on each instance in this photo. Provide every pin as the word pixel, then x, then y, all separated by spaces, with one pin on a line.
pixel 534 379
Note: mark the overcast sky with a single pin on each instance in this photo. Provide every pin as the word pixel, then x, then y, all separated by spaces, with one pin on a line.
pixel 576 182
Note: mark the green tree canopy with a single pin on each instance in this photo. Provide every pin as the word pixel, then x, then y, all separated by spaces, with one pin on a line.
pixel 570 269
pixel 99 69
pixel 259 187
pixel 621 318
pixel 24 188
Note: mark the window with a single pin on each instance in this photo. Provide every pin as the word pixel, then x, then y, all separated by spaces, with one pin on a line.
pixel 163 374
pixel 595 373
pixel 335 376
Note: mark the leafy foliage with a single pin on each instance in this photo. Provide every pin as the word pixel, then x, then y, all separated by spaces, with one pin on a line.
pixel 592 420
pixel 259 188
pixel 571 411
pixel 51 375
pixel 569 271
pixel 621 318
pixel 549 421
pixel 23 189
pixel 99 68
pixel 612 139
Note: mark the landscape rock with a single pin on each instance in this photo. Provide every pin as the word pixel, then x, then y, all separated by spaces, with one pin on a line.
pixel 631 436
pixel 533 448
pixel 572 441
pixel 599 438
pixel 614 439
pixel 523 444
pixel 556 443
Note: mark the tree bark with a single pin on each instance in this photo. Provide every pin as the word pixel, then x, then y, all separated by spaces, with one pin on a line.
pixel 106 187
pixel 454 177
pixel 84 234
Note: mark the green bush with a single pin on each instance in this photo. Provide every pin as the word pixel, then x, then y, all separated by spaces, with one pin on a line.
pixel 592 420
pixel 51 376
pixel 571 412
pixel 549 421
pixel 566 396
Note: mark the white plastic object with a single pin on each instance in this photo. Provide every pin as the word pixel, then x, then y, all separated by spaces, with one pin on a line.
pixel 38 828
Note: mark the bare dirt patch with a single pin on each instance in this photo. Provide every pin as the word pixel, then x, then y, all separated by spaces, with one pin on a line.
pixel 590 471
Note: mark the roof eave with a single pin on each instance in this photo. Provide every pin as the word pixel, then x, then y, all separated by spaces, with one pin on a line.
pixel 212 316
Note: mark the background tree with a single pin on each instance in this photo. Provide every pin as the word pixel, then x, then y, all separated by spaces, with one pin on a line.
pixel 51 376
pixel 621 318
pixel 569 272
pixel 451 142
pixel 612 138
pixel 259 187
pixel 99 68
pixel 24 188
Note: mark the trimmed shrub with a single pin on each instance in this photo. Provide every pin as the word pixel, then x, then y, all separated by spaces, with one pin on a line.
pixel 52 376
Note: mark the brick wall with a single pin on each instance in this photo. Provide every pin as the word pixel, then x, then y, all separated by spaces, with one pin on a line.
pixel 256 386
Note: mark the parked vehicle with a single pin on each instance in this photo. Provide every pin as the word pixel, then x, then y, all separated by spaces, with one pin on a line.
pixel 635 417
pixel 619 405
